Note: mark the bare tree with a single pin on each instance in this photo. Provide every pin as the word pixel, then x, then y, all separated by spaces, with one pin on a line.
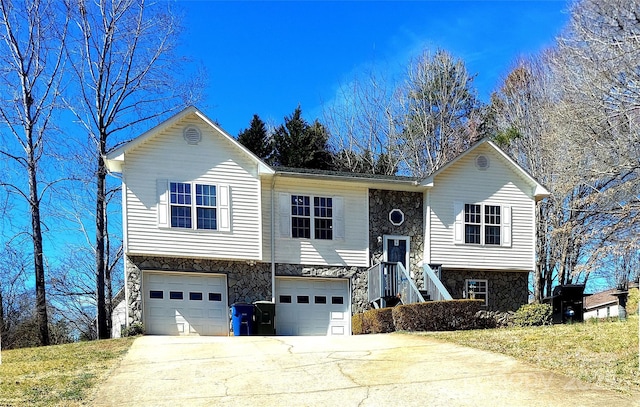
pixel 361 122
pixel 437 102
pixel 127 74
pixel 31 60
pixel 597 66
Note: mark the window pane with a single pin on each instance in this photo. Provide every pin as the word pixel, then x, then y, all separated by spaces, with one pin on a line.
pixel 492 235
pixel 285 299
pixel 301 227
pixel 207 218
pixel 320 299
pixel 303 299
pixel 323 228
pixel 215 297
pixel 180 193
pixel 472 234
pixel 156 294
pixel 472 213
pixel 195 296
pixel 175 295
pixel 205 195
pixel 492 215
pixel 337 300
pixel 180 217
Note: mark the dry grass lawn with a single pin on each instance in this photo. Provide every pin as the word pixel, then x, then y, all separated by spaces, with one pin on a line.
pixel 62 375
pixel 603 352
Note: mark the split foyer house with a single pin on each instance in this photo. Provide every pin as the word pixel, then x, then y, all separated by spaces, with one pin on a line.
pixel 207 224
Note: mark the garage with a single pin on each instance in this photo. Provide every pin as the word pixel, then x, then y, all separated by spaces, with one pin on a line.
pixel 312 306
pixel 185 304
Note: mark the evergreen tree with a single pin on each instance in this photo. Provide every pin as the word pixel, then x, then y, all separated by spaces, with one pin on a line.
pixel 256 139
pixel 300 145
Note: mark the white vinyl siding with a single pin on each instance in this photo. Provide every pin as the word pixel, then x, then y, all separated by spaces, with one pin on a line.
pixel 214 161
pixel 497 185
pixel 349 246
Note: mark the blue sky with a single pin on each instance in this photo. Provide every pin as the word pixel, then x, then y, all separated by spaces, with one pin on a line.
pixel 267 57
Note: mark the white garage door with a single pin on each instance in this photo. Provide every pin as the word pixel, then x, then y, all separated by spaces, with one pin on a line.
pixel 312 306
pixel 185 304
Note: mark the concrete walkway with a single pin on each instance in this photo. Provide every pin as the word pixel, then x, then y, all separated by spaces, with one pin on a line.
pixel 363 370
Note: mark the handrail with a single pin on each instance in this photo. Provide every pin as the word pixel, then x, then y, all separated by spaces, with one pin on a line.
pixel 407 290
pixel 375 289
pixel 434 286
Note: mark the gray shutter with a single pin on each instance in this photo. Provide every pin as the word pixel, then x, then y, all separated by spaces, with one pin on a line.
pixel 162 188
pixel 285 214
pixel 338 217
pixel 224 208
pixel 458 225
pixel 506 226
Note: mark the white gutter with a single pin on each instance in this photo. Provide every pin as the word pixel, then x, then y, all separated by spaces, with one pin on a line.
pixel 273 241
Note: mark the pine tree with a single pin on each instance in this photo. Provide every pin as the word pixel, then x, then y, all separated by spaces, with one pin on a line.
pixel 256 139
pixel 300 145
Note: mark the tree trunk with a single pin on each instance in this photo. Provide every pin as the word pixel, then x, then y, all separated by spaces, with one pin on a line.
pixel 38 256
pixel 103 331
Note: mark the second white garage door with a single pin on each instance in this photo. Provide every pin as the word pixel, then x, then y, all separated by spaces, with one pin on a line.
pixel 185 304
pixel 312 306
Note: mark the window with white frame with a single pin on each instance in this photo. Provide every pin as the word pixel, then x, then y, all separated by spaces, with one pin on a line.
pixel 300 216
pixel 483 224
pixel 323 218
pixel 311 217
pixel 476 290
pixel 192 205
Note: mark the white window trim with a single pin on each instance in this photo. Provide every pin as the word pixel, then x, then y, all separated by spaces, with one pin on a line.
pixel 469 295
pixel 223 206
pixel 505 224
pixel 337 218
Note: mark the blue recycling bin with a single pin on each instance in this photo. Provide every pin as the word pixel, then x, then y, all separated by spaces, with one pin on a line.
pixel 242 319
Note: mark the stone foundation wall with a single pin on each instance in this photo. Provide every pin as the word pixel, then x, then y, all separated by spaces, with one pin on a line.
pixel 381 202
pixel 246 283
pixel 507 290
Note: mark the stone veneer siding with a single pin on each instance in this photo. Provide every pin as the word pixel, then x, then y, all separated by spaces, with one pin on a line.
pixel 381 202
pixel 246 283
pixel 507 290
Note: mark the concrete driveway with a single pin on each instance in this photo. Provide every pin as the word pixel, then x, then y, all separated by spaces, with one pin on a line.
pixel 363 370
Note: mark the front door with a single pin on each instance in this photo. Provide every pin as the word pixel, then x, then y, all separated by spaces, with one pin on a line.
pixel 396 250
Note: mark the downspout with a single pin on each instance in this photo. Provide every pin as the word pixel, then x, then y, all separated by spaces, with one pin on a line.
pixel 273 241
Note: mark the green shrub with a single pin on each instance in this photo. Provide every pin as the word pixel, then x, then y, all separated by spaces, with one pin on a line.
pixel 437 315
pixel 534 315
pixel 134 329
pixel 373 321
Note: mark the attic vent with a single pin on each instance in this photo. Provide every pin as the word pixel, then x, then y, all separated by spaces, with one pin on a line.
pixel 192 135
pixel 482 162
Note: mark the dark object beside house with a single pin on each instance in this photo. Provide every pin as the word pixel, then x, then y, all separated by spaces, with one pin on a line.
pixel 265 312
pixel 567 303
pixel 242 319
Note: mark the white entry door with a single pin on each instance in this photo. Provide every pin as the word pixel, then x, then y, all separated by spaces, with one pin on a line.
pixel 185 304
pixel 312 306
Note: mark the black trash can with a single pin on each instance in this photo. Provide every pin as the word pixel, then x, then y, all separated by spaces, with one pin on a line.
pixel 242 319
pixel 265 313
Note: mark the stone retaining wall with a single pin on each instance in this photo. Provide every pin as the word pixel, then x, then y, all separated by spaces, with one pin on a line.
pixel 507 290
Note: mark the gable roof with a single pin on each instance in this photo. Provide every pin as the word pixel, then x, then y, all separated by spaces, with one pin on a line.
pixel 539 191
pixel 115 158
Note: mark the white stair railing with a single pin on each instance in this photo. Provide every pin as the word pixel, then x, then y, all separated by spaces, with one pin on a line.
pixel 406 289
pixel 433 286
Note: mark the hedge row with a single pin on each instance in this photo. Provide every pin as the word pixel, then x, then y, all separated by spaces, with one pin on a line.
pixel 426 316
